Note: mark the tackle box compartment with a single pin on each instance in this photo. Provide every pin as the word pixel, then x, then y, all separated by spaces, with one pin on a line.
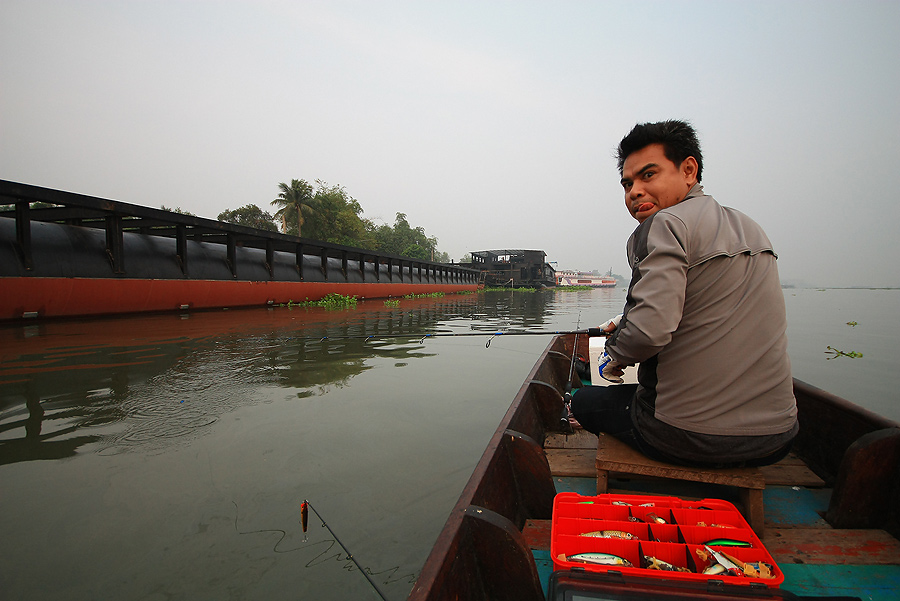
pixel 659 537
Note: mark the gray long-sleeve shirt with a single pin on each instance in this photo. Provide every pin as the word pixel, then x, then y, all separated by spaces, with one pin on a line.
pixel 705 318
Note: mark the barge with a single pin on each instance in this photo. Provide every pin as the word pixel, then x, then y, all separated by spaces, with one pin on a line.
pixel 66 255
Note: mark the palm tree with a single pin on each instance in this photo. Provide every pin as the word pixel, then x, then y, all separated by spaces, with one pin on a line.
pixel 298 196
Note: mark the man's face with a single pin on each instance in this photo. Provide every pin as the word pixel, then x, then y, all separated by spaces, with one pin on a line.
pixel 652 182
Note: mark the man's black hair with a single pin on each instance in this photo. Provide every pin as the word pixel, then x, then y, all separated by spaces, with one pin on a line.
pixel 678 138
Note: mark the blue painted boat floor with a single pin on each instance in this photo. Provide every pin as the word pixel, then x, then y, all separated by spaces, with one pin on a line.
pixel 799 507
pixel 875 583
pixel 786 507
pixel 796 506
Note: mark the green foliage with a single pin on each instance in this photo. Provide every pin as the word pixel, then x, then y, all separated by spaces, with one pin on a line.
pixel 394 302
pixel 404 240
pixel 337 218
pixel 329 214
pixel 249 216
pixel 414 251
pixel 504 289
pixel 852 324
pixel 430 295
pixel 32 205
pixel 178 210
pixel 332 300
pixel 837 353
pixel 571 288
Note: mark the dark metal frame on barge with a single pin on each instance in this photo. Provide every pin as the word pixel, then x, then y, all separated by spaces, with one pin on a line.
pixel 481 553
pixel 83 239
pixel 513 268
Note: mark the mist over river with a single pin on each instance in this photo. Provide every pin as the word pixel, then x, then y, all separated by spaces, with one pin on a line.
pixel 166 456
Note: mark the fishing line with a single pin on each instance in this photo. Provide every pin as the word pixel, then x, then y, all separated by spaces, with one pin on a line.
pixel 574 350
pixel 391 575
pixel 491 334
pixel 305 506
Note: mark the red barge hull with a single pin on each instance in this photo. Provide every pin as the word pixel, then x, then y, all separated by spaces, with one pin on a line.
pixel 73 297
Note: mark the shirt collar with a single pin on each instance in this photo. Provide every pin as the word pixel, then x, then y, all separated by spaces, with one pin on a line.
pixel 696 190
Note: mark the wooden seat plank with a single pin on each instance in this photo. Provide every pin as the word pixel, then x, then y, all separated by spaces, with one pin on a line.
pixel 616 457
pixel 572 463
pixel 579 439
pixel 788 473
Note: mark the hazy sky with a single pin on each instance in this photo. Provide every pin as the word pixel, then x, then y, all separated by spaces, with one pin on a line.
pixel 490 124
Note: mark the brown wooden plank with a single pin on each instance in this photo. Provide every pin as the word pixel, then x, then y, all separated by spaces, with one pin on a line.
pixel 832 546
pixel 572 463
pixel 615 456
pixel 790 474
pixel 537 534
pixel 754 509
pixel 580 439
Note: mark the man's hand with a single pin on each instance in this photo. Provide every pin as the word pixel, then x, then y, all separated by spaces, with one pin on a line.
pixel 611 325
pixel 610 370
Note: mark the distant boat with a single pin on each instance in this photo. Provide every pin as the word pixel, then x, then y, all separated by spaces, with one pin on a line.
pixel 578 278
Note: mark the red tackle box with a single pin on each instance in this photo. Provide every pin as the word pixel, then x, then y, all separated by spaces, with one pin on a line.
pixel 669 529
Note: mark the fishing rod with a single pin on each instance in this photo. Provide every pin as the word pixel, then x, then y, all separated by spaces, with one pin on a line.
pixel 567 397
pixel 304 519
pixel 493 334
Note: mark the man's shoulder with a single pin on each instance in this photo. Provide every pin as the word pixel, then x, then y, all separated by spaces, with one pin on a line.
pixel 715 229
pixel 706 209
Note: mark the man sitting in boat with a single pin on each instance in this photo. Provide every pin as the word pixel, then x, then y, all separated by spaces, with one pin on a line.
pixel 704 318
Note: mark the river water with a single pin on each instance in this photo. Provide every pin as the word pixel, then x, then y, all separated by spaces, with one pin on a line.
pixel 166 456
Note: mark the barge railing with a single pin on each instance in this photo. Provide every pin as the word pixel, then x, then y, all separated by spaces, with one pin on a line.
pixel 117 218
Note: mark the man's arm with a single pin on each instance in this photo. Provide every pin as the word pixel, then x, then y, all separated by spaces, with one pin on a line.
pixel 657 292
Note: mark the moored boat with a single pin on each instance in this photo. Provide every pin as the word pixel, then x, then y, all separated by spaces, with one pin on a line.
pixel 831 507
pixel 580 278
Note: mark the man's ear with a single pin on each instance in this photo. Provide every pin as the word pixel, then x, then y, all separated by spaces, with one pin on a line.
pixel 689 169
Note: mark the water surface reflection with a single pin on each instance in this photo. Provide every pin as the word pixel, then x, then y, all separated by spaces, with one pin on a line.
pixel 159 379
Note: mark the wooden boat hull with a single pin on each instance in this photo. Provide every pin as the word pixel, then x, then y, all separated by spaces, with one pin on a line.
pixel 481 553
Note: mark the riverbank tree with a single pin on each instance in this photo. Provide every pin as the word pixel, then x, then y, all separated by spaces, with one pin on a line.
pixel 328 213
pixel 249 216
pixel 295 201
